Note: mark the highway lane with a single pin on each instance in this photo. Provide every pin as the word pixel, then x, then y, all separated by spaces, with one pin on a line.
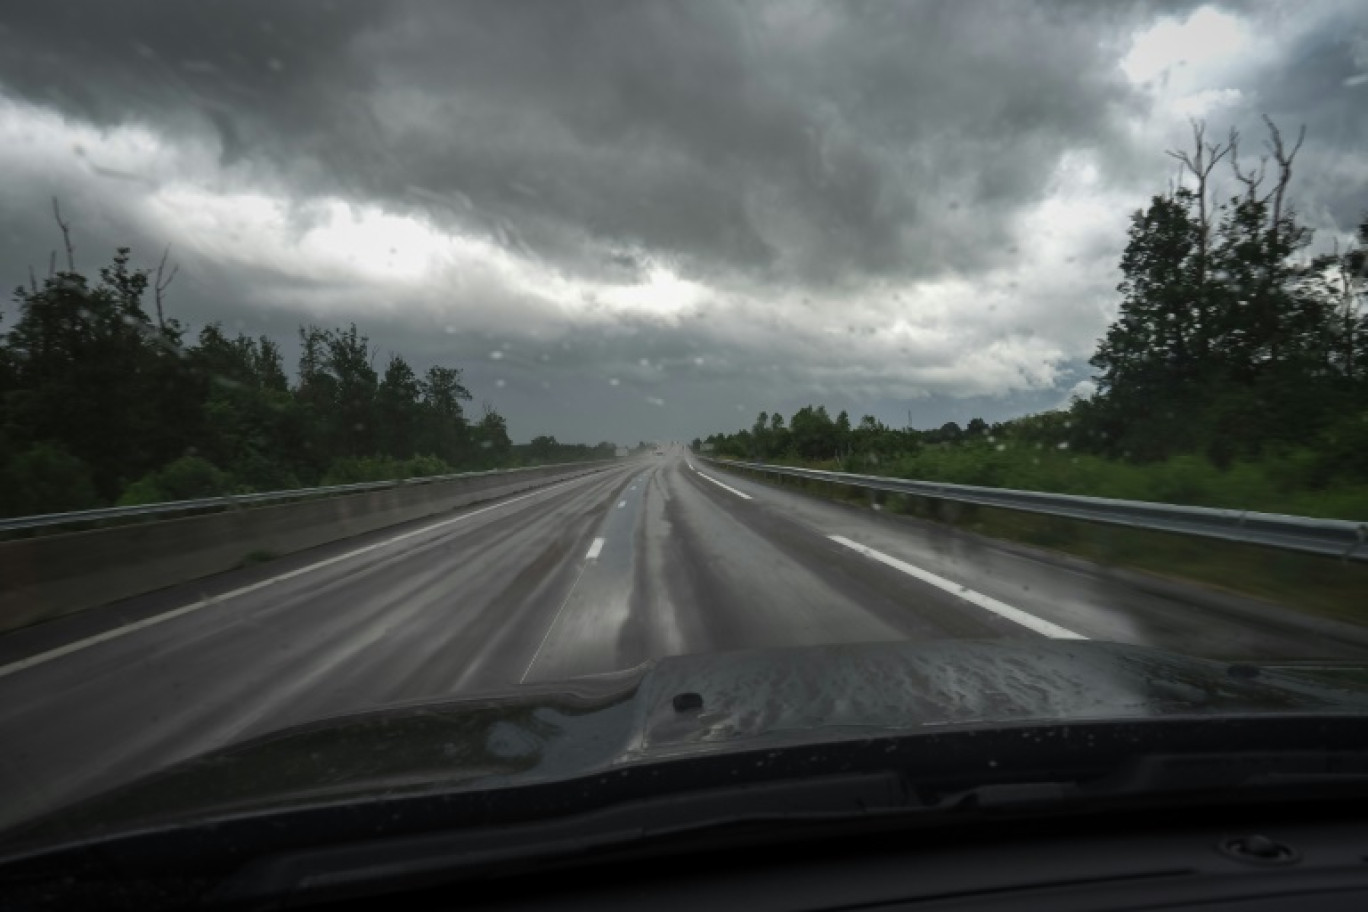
pixel 650 558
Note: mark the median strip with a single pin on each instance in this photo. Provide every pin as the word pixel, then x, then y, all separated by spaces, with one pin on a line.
pixel 1001 609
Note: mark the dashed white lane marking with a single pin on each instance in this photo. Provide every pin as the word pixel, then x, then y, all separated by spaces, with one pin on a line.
pixel 740 494
pixel 595 549
pixel 117 632
pixel 1001 609
pixel 621 504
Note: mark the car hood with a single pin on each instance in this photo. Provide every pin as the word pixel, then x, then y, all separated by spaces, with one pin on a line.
pixel 686 706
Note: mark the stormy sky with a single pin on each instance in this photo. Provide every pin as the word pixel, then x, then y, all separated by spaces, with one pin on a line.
pixel 652 220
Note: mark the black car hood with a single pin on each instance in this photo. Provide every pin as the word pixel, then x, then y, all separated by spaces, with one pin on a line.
pixel 686 706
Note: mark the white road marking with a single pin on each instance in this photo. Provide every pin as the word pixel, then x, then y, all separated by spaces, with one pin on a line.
pixel 595 549
pixel 621 504
pixel 117 632
pixel 740 494
pixel 1001 609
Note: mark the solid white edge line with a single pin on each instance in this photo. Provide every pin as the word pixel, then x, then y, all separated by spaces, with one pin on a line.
pixel 1001 609
pixel 594 549
pixel 115 633
pixel 740 494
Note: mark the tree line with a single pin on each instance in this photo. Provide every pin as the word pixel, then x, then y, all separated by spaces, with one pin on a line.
pixel 104 403
pixel 1231 345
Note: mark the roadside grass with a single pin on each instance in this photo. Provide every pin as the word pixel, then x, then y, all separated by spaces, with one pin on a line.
pixel 1288 482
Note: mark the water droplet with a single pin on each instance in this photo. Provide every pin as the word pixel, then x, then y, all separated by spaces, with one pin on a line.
pixel 496 355
pixel 613 381
pixel 501 383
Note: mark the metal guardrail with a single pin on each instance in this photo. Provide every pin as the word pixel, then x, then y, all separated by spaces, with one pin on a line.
pixel 1335 537
pixel 234 501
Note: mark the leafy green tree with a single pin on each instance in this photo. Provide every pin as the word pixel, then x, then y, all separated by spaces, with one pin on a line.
pixel 812 433
pixel 399 409
pixel 90 373
pixel 444 425
pixel 247 410
pixel 843 434
pixel 777 438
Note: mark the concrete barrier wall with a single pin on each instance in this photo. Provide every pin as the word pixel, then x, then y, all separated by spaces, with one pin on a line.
pixel 50 576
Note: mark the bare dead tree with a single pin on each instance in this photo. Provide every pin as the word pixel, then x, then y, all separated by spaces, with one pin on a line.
pixel 66 235
pixel 1252 179
pixel 1284 159
pixel 162 282
pixel 1200 162
pixel 33 280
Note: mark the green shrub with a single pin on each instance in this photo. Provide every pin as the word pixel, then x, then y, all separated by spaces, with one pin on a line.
pixel 187 478
pixel 45 478
pixel 356 470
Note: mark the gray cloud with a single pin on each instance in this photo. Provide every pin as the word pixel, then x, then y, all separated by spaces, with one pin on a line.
pixel 774 140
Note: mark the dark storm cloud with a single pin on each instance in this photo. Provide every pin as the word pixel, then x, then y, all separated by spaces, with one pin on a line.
pixel 782 142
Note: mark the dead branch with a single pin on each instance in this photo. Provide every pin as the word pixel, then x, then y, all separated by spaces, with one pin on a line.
pixel 1251 179
pixel 160 284
pixel 66 235
pixel 1284 159
pixel 1200 162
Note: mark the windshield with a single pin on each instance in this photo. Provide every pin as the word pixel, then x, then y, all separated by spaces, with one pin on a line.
pixel 376 355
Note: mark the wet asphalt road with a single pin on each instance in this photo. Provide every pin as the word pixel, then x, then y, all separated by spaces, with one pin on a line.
pixel 649 558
